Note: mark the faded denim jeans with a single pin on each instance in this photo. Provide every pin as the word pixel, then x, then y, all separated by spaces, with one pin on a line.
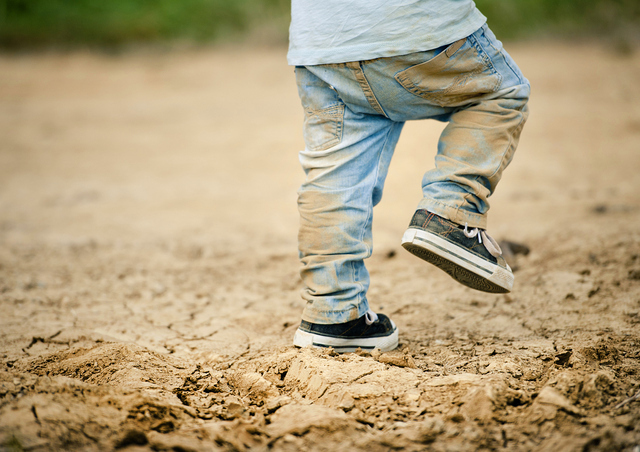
pixel 354 113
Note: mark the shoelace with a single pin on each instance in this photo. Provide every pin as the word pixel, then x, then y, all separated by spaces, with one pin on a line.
pixel 489 243
pixel 370 317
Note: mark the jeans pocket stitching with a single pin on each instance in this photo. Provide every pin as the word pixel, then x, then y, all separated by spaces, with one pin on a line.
pixel 334 117
pixel 439 96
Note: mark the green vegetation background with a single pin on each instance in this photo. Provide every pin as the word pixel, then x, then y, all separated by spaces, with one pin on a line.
pixel 33 24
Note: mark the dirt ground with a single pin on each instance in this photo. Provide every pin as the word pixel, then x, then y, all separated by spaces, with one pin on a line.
pixel 149 285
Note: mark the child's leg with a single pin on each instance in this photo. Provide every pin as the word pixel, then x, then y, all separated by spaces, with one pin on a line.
pixel 479 141
pixel 474 149
pixel 346 159
pixel 486 98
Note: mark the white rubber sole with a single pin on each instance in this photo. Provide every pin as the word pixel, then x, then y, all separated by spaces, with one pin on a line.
pixel 464 266
pixel 385 343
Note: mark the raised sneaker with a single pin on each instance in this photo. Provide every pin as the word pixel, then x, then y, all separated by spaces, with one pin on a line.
pixel 368 332
pixel 470 256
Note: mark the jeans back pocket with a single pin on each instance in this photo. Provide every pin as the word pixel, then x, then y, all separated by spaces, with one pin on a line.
pixel 453 77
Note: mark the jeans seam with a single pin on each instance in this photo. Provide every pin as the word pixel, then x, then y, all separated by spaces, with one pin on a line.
pixel 456 208
pixel 518 127
pixel 482 53
pixel 499 51
pixel 361 78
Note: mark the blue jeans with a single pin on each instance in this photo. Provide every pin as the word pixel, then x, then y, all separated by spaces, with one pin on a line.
pixel 354 113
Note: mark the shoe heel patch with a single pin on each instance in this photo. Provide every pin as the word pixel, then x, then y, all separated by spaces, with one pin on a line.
pixel 409 235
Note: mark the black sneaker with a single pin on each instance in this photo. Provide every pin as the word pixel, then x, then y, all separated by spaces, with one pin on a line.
pixel 368 332
pixel 471 257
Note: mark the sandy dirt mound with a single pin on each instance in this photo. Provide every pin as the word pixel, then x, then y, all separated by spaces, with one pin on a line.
pixel 149 285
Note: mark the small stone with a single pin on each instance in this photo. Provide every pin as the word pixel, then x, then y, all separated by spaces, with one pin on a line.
pixel 235 410
pixel 276 402
pixel 397 360
pixel 563 358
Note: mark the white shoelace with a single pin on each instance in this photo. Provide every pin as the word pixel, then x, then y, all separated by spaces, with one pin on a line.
pixel 489 243
pixel 370 317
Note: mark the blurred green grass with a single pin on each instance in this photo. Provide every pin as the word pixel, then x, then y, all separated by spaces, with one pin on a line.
pixel 114 23
pixel 32 24
pixel 527 19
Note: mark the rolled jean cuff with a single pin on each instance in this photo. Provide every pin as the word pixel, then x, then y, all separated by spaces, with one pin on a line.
pixel 454 213
pixel 332 317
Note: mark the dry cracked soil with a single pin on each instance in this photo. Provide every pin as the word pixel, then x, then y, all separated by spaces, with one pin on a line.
pixel 149 285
